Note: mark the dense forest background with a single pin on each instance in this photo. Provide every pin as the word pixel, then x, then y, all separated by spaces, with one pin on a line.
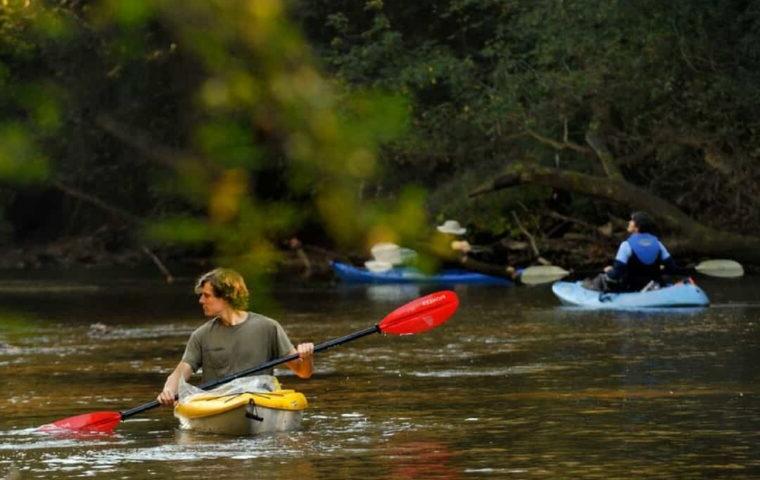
pixel 174 130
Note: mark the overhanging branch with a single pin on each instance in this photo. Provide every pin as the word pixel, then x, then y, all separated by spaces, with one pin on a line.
pixel 694 236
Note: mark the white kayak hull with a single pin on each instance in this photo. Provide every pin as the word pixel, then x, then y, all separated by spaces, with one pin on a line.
pixel 246 413
pixel 235 422
pixel 679 295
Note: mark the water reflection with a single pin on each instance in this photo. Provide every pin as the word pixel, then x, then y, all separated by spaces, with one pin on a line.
pixel 414 456
pixel 514 386
pixel 392 293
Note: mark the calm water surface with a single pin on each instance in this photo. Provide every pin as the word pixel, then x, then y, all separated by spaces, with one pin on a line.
pixel 514 386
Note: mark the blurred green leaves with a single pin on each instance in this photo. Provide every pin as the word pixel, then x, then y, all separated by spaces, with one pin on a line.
pixel 21 160
pixel 219 106
pixel 134 13
pixel 29 111
pixel 484 76
pixel 269 107
pixel 229 144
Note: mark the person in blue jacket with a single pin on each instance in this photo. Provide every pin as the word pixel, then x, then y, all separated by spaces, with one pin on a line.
pixel 640 261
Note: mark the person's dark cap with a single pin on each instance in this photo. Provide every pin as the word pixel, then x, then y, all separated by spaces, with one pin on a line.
pixel 643 222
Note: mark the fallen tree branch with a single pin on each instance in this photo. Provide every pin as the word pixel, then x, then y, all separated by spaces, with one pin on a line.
pixel 92 200
pixel 695 237
pixel 527 234
pixel 565 218
pixel 146 146
pixel 117 212
pixel 559 146
pixel 609 164
pixel 159 264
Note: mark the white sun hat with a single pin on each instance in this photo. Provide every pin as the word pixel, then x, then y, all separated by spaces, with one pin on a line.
pixel 387 253
pixel 392 253
pixel 452 227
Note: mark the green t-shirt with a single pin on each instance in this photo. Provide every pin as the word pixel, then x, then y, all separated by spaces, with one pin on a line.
pixel 221 350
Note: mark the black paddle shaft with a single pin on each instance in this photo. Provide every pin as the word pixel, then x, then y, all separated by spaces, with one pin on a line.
pixel 264 366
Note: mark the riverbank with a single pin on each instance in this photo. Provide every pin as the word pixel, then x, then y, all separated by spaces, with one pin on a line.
pixel 302 261
pixel 91 252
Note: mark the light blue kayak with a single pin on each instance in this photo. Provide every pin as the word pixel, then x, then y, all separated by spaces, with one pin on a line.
pixel 671 296
pixel 351 274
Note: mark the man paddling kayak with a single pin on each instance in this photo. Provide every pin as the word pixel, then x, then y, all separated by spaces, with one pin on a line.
pixel 639 261
pixel 233 339
pixel 485 259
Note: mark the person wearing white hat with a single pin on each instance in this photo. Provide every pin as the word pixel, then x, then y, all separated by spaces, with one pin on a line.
pixel 488 258
pixel 454 229
pixel 386 252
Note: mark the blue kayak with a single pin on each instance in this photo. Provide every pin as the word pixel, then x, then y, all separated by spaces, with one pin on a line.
pixel 671 296
pixel 351 274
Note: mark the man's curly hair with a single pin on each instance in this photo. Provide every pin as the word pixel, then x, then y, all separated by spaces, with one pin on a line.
pixel 227 284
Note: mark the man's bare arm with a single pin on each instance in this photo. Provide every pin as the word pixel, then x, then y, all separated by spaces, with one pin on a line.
pixel 167 396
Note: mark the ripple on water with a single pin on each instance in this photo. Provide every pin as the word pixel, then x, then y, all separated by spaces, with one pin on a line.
pixel 488 372
pixel 158 331
pixel 59 351
pixel 96 456
pixel 34 439
pixel 430 405
pixel 191 445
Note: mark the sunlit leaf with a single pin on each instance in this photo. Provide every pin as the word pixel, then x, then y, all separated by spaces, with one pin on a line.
pixel 130 13
pixel 227 193
pixel 229 144
pixel 55 25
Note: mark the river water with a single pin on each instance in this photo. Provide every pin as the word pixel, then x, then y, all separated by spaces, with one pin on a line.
pixel 513 386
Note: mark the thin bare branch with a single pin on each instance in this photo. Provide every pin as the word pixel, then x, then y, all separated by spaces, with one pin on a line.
pixel 117 212
pixel 557 145
pixel 611 169
pixel 527 234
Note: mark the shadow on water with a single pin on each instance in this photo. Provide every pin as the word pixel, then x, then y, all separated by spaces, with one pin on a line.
pixel 513 386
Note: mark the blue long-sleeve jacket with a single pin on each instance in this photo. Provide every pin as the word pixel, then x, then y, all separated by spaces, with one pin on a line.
pixel 639 260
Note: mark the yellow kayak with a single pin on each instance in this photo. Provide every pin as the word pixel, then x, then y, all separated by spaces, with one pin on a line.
pixel 248 413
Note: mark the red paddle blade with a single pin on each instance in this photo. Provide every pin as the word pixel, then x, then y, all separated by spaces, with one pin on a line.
pixel 103 422
pixel 421 314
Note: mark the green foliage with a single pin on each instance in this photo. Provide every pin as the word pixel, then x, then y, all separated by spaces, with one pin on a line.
pixel 29 111
pixel 214 121
pixel 228 144
pixel 485 76
pixel 209 119
pixel 20 158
